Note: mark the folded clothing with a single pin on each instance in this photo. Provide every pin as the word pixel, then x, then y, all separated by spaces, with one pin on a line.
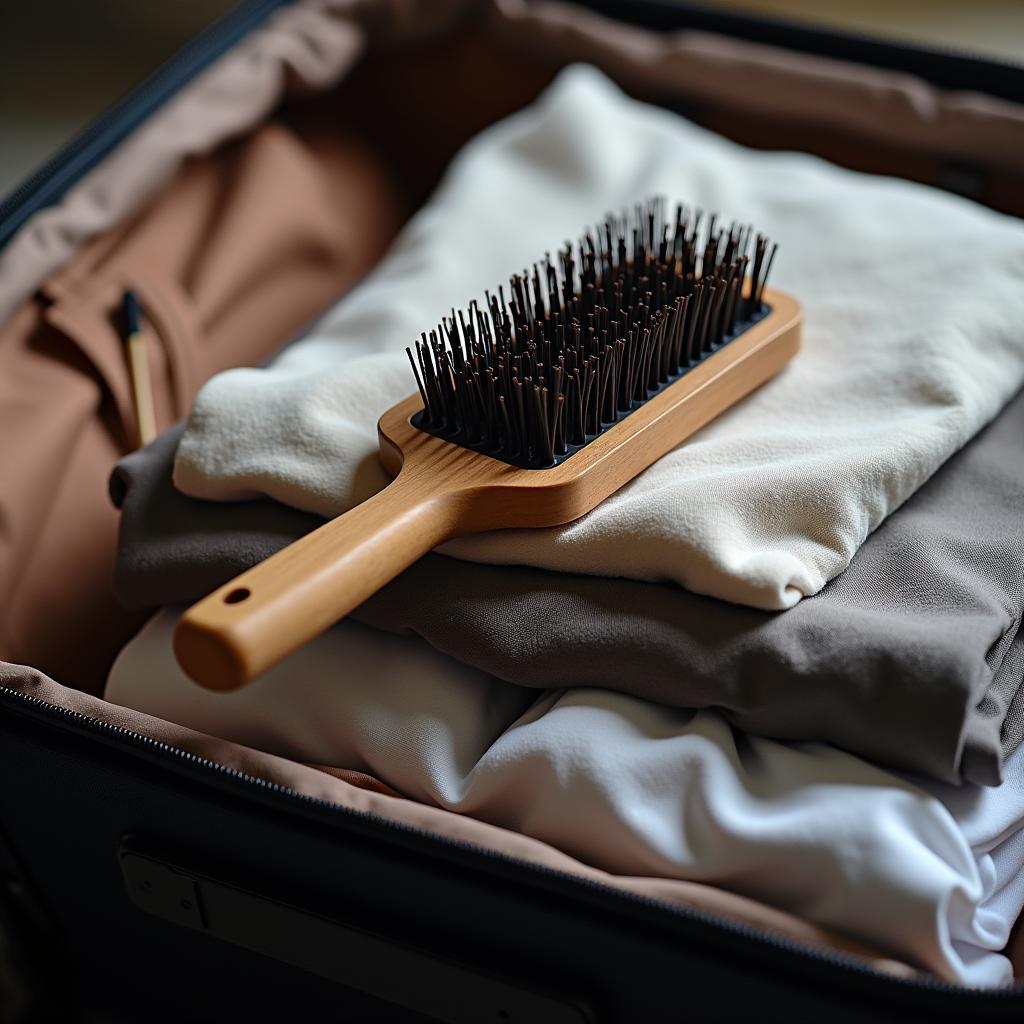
pixel 626 785
pixel 914 303
pixel 366 795
pixel 913 657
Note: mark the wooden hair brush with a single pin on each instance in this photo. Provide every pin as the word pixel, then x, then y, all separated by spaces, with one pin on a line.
pixel 529 412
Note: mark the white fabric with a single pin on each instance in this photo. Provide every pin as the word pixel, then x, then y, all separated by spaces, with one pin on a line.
pixel 634 788
pixel 914 339
pixel 992 821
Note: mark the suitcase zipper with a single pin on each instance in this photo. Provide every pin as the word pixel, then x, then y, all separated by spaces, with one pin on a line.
pixel 746 932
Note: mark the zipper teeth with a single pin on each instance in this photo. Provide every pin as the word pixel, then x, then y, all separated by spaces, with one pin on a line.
pixel 121 119
pixel 850 964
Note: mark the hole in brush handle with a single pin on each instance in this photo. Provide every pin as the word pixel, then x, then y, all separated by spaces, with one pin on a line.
pixel 237 595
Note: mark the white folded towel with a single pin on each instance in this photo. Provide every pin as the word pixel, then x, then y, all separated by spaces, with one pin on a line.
pixel 914 340
pixel 635 788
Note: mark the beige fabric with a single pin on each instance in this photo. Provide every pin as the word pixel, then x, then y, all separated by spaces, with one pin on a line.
pixel 365 795
pixel 241 250
pixel 312 44
pixel 764 505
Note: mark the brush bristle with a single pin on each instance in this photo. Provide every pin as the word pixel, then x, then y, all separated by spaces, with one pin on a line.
pixel 583 341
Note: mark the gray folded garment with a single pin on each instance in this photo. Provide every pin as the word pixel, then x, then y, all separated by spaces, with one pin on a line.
pixel 913 657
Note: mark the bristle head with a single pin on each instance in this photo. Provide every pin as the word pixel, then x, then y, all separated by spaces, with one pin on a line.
pixel 588 337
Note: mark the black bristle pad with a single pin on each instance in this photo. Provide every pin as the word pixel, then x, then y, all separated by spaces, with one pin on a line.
pixel 581 341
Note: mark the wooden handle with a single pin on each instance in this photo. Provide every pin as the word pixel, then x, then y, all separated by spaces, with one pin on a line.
pixel 444 490
pixel 272 609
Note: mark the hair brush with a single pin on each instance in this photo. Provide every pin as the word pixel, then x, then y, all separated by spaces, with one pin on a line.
pixel 530 410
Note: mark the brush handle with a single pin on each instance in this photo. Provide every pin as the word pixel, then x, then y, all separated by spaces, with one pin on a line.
pixel 246 626
pixel 443 490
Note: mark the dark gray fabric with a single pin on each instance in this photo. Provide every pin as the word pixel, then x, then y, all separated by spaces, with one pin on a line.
pixel 913 657
pixel 172 548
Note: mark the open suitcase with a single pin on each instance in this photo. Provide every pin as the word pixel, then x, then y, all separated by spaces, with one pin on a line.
pixel 250 183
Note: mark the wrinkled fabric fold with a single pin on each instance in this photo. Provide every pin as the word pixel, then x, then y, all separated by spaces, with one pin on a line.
pixel 913 657
pixel 626 785
pixel 914 302
pixel 363 794
pixel 238 254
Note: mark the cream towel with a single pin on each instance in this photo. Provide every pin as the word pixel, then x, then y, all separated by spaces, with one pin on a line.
pixel 914 340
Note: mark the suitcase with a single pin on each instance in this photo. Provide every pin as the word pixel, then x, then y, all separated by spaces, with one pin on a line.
pixel 143 880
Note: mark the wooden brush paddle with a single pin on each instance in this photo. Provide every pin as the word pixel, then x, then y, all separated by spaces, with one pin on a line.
pixel 529 413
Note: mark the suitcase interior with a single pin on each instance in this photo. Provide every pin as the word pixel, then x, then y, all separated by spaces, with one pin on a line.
pixel 351 914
